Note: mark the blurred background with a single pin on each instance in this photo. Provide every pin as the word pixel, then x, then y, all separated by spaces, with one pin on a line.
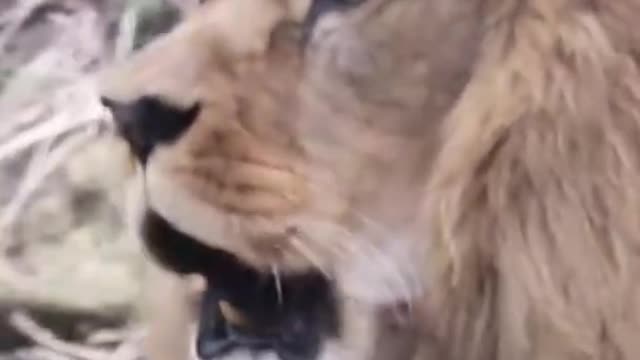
pixel 69 270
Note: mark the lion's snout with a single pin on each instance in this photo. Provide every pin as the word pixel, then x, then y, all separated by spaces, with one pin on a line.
pixel 149 121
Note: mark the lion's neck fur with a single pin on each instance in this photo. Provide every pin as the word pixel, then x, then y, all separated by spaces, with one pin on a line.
pixel 534 195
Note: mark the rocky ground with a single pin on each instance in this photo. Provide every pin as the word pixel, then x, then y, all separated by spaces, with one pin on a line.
pixel 69 272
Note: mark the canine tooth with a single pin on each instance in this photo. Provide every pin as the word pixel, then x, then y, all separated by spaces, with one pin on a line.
pixel 231 314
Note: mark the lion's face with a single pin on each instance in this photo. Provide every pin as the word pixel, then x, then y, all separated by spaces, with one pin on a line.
pixel 291 137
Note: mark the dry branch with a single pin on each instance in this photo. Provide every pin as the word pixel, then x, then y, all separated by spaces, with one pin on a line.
pixel 49 109
pixel 43 337
pixel 15 18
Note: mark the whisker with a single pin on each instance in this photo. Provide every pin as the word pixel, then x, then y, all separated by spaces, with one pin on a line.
pixel 392 267
pixel 352 245
pixel 377 256
pixel 305 251
pixel 276 275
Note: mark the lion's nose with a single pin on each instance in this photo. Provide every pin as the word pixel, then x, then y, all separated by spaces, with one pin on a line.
pixel 149 121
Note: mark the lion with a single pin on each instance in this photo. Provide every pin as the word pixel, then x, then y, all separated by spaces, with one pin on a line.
pixel 390 179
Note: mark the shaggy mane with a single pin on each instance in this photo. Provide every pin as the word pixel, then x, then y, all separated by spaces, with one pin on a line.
pixel 535 194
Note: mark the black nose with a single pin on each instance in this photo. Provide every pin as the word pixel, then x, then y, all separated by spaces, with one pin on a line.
pixel 150 121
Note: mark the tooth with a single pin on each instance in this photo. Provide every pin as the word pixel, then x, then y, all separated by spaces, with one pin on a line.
pixel 232 315
pixel 132 162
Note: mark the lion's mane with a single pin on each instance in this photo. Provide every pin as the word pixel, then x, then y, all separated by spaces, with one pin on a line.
pixel 534 197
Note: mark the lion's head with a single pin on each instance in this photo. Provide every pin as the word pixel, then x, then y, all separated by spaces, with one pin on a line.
pixel 294 136
pixel 377 153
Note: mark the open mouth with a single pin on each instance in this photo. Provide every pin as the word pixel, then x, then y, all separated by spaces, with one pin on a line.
pixel 244 309
pixel 290 319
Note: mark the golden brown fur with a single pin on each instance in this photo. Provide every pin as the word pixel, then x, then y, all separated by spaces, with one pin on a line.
pixel 537 215
pixel 479 158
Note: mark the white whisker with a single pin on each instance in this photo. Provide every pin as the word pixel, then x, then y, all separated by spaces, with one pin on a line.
pixel 369 244
pixel 304 250
pixel 370 250
pixel 391 266
pixel 276 275
pixel 351 246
